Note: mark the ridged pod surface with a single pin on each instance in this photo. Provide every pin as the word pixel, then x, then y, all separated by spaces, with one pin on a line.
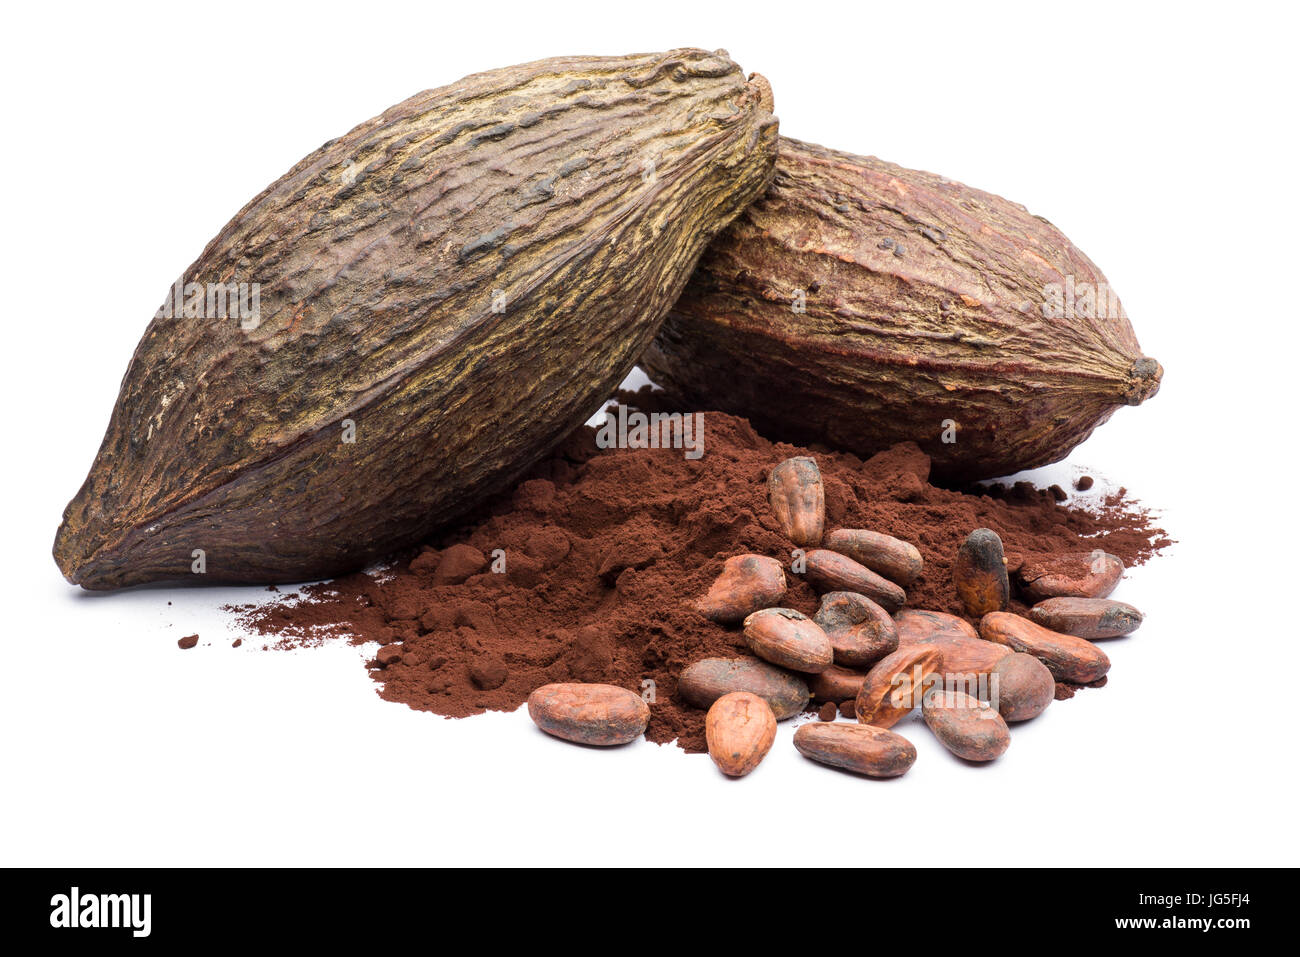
pixel 929 311
pixel 462 280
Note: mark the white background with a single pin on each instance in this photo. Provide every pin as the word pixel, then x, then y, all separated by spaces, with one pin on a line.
pixel 1160 139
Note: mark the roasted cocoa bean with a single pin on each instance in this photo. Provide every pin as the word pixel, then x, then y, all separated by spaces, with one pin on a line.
pixel 967 727
pixel 1025 687
pixel 704 682
pixel 1068 658
pixel 836 684
pixel 790 639
pixel 895 684
pixel 895 559
pixel 747 583
pixel 795 491
pixel 860 748
pixel 981 573
pixel 861 632
pixel 739 729
pixel 1087 617
pixel 1080 575
pixel 964 652
pixel 831 571
pixel 589 713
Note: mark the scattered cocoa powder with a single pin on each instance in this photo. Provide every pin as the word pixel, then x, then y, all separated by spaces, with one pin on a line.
pixel 828 711
pixel 602 554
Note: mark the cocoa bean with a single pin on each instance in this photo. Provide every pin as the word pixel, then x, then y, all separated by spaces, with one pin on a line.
pixel 927 311
pixel 861 632
pixel 895 559
pixel 836 684
pixel 704 682
pixel 445 294
pixel 981 573
pixel 1025 687
pixel 895 683
pixel 739 729
pixel 831 571
pixel 788 638
pixel 1078 575
pixel 796 494
pixel 747 583
pixel 596 714
pixel 1068 658
pixel 967 727
pixel 964 652
pixel 860 748
pixel 1087 617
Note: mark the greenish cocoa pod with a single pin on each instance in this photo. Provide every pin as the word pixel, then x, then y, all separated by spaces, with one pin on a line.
pixel 444 294
pixel 860 304
pixel 859 748
pixel 705 681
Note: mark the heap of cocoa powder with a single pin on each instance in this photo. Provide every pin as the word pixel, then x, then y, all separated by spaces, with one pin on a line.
pixel 604 553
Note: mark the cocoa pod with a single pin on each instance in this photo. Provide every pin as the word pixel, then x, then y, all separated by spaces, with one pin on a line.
pixel 1068 658
pixel 966 726
pixel 980 574
pixel 831 571
pixel 895 684
pixel 860 304
pixel 739 730
pixel 895 559
pixel 704 682
pixel 1079 575
pixel 747 583
pixel 795 492
pixel 860 748
pixel 445 293
pixel 788 638
pixel 1087 617
pixel 836 683
pixel 861 632
pixel 1025 687
pixel 964 652
pixel 596 714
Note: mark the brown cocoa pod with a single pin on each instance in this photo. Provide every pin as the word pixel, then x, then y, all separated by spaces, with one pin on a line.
pixel 1024 689
pixel 739 730
pixel 981 573
pixel 1087 617
pixel 1078 575
pixel 895 684
pixel 966 726
pixel 860 748
pixel 921 301
pixel 704 682
pixel 836 683
pixel 895 559
pixel 589 713
pixel 795 491
pixel 964 652
pixel 445 294
pixel 747 583
pixel 789 639
pixel 861 632
pixel 831 571
pixel 1068 658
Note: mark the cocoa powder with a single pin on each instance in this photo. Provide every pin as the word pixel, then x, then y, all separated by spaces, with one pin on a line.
pixel 590 570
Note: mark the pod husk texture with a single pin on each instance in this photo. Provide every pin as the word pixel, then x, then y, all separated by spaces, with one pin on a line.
pixel 581 190
pixel 924 304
